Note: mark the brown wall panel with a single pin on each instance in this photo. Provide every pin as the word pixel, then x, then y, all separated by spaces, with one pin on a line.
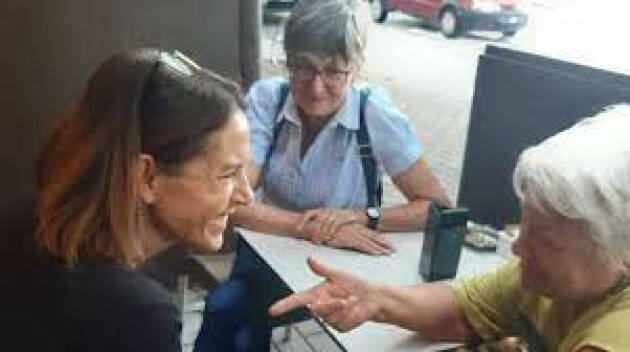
pixel 49 48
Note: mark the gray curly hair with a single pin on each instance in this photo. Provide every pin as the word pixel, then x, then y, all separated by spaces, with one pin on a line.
pixel 583 173
pixel 326 27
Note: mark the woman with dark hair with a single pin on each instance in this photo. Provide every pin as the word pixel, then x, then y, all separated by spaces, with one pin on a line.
pixel 154 154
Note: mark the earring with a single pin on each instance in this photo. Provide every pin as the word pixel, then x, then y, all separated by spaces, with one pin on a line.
pixel 142 208
pixel 147 199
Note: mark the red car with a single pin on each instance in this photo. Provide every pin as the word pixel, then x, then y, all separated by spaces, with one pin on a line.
pixel 454 17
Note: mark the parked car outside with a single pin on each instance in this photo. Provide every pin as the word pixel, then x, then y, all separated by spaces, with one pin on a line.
pixel 278 4
pixel 454 17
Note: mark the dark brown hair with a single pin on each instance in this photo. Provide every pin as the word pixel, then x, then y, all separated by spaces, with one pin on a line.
pixel 135 102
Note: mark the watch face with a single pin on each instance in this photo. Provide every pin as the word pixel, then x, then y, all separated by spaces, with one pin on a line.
pixel 373 213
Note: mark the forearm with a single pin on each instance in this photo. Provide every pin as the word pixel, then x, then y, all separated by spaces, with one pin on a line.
pixel 429 309
pixel 268 219
pixel 434 192
pixel 420 187
pixel 406 217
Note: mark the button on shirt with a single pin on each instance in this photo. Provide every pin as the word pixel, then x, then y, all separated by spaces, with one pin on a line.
pixel 330 173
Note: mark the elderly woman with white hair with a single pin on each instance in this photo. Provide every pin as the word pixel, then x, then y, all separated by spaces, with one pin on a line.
pixel 569 290
pixel 320 143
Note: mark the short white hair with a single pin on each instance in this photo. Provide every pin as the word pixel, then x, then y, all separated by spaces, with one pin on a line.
pixel 583 173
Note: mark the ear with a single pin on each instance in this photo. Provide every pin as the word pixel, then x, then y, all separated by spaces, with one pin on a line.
pixel 146 179
pixel 354 73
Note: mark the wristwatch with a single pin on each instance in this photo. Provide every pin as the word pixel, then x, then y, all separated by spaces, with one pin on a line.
pixel 373 215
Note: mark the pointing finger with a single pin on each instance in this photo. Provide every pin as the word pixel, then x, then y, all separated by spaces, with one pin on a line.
pixel 290 303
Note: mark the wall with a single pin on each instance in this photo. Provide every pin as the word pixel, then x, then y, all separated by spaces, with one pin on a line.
pixel 49 48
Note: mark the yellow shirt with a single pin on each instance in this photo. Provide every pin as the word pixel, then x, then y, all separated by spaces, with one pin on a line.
pixel 497 306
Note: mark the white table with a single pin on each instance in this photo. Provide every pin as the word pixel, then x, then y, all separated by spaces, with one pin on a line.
pixel 287 258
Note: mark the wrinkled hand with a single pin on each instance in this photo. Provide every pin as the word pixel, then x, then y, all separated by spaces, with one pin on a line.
pixel 341 228
pixel 342 300
pixel 324 223
pixel 358 237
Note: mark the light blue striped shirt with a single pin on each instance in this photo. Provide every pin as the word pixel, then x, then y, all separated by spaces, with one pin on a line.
pixel 330 174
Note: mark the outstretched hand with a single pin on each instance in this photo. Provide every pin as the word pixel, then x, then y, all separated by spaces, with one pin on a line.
pixel 341 300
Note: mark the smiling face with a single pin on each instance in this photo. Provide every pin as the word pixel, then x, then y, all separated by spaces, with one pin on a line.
pixel 319 84
pixel 558 259
pixel 192 206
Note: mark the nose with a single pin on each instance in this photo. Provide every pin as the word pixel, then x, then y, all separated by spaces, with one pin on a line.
pixel 517 247
pixel 243 193
pixel 520 246
pixel 317 86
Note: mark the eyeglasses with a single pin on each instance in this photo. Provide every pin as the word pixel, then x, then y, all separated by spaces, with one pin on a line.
pixel 330 77
pixel 178 62
pixel 185 66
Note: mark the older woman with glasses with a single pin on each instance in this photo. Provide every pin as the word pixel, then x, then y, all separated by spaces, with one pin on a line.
pixel 154 154
pixel 569 290
pixel 311 137
pixel 320 143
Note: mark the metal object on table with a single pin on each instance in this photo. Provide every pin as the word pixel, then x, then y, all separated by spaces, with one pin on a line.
pixel 481 237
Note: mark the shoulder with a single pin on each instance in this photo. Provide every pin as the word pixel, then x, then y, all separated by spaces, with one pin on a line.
pixel 262 102
pixel 382 114
pixel 391 133
pixel 121 308
pixel 603 327
pixel 490 300
pixel 266 89
pixel 379 102
pixel 115 288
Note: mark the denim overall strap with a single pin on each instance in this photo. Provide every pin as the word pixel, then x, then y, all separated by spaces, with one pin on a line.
pixel 277 125
pixel 373 183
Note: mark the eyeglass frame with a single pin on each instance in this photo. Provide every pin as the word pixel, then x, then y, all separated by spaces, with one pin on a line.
pixel 309 73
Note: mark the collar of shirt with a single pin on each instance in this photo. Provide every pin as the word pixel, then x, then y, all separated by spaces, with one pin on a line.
pixel 347 116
